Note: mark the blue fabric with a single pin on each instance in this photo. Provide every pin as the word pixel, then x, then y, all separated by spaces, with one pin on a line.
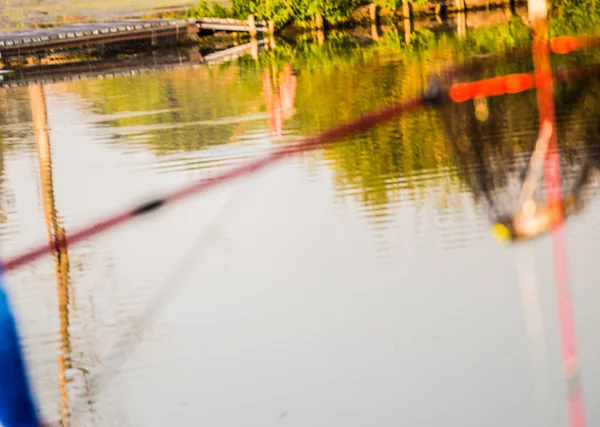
pixel 17 407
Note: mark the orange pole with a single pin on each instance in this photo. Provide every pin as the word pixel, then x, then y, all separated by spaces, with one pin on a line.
pixel 552 178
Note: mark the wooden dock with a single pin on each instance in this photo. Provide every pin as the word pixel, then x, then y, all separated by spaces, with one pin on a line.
pixel 104 33
pixel 232 25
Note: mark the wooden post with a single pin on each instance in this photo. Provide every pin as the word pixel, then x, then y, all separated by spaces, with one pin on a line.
pixel 320 37
pixel 373 8
pixel 460 5
pixel 407 31
pixel 406 10
pixel 461 24
pixel 319 21
pixel 271 33
pixel 374 32
pixel 252 25
pixel 374 15
pixel 254 47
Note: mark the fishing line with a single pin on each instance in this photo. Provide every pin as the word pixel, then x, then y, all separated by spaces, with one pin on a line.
pixel 168 288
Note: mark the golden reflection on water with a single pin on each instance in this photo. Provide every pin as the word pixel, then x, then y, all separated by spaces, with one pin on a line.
pixel 55 233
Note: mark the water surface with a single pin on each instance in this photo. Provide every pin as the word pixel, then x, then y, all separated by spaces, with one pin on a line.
pixel 354 285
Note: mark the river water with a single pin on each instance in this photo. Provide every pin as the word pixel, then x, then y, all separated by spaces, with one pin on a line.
pixel 355 285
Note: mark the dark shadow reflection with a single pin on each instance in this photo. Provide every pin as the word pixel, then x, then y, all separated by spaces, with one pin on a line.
pixel 493 138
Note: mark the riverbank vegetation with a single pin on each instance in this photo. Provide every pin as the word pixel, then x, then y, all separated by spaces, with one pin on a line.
pixel 570 16
pixel 295 12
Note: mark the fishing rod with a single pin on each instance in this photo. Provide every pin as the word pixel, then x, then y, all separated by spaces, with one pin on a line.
pixel 308 143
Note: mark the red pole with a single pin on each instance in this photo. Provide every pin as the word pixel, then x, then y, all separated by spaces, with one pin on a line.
pixel 552 179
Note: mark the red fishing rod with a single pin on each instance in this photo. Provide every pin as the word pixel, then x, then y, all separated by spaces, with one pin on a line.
pixel 309 143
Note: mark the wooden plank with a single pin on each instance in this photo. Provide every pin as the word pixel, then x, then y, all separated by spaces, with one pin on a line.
pixel 241 28
pixel 54 32
pixel 228 21
pixel 76 35
pixel 89 34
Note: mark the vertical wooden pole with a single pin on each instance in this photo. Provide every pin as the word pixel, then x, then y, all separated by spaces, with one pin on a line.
pixel 254 47
pixel 408 30
pixel 320 37
pixel 252 25
pixel 319 21
pixel 406 12
pixel 460 5
pixel 552 178
pixel 461 24
pixel 373 12
pixel 374 32
pixel 55 233
pixel 271 33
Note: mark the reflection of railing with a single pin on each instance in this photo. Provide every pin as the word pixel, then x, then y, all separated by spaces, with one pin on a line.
pixel 234 52
pixel 137 65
